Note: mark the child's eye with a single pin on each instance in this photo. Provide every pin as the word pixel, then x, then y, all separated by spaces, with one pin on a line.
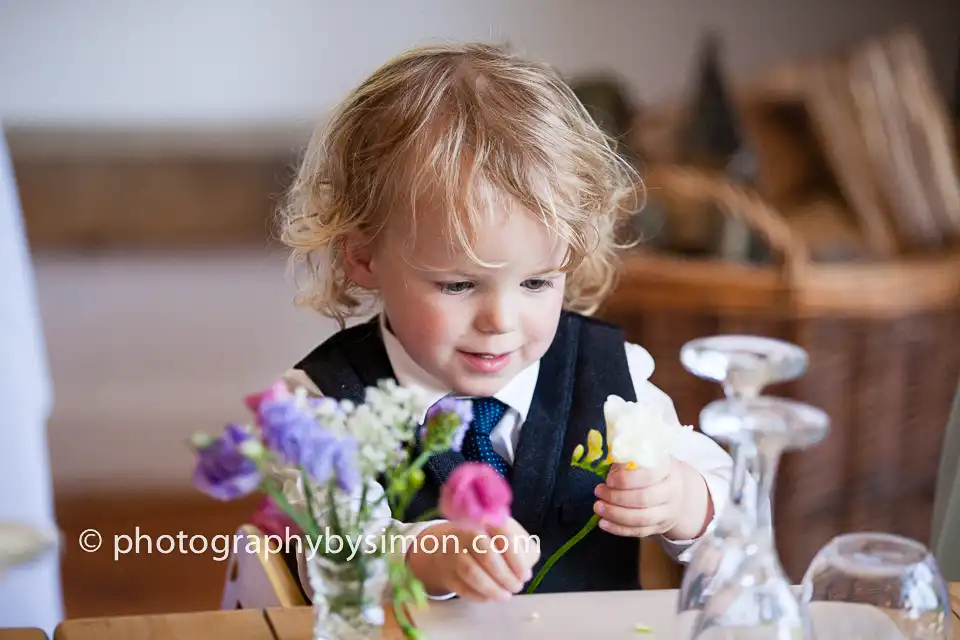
pixel 454 287
pixel 536 284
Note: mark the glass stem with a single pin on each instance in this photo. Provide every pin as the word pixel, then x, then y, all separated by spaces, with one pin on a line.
pixel 739 474
pixel 768 461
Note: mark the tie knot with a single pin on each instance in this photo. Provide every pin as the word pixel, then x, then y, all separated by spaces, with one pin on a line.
pixel 487 412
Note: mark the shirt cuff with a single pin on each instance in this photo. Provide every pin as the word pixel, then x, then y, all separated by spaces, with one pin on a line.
pixel 718 489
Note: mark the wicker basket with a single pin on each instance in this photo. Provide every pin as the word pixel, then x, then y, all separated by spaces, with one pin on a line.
pixel 884 345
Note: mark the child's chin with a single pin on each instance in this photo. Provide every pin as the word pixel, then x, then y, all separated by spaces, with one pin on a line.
pixel 481 385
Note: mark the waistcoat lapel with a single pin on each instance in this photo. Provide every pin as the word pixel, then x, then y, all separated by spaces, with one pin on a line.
pixel 543 434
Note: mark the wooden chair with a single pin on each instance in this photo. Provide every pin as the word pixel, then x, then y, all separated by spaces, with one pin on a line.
pixel 259 580
pixel 264 579
pixel 657 569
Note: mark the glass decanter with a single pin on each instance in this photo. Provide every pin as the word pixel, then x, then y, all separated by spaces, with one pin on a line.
pixel 758 600
pixel 743 366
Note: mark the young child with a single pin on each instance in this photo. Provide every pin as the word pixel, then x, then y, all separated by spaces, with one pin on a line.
pixel 469 193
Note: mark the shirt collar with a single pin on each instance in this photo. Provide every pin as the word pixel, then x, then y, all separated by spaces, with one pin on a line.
pixel 516 394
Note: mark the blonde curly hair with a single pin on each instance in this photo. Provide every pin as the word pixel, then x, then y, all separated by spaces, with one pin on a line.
pixel 460 125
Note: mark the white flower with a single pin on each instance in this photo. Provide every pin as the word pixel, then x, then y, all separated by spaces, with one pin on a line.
pixel 640 432
pixel 383 425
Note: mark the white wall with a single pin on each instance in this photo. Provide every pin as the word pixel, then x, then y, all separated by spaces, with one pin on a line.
pixel 145 349
pixel 219 62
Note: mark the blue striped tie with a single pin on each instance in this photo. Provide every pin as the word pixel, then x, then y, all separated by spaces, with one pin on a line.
pixel 487 412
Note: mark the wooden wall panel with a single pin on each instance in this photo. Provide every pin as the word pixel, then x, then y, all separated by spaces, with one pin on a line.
pixel 107 196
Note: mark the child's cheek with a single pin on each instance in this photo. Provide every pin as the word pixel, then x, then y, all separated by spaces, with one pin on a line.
pixel 432 324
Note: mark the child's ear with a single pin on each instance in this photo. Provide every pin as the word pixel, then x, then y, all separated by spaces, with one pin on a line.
pixel 357 260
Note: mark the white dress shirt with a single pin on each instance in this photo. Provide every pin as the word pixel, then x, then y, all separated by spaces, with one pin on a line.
pixel 697 450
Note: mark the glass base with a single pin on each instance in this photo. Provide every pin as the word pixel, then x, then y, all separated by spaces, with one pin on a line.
pixel 742 364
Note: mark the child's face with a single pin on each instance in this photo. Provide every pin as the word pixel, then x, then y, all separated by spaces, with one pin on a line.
pixel 473 327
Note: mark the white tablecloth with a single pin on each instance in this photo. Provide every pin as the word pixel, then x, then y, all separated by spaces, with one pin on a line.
pixel 611 615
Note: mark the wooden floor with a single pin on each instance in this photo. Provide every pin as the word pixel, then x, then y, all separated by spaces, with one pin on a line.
pixel 140 583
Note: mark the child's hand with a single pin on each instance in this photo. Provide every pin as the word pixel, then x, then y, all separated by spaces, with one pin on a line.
pixel 671 500
pixel 475 566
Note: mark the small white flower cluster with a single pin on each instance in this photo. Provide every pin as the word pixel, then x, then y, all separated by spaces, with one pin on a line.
pixel 383 425
pixel 640 432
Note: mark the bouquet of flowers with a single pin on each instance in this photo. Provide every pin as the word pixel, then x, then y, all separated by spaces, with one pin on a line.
pixel 342 471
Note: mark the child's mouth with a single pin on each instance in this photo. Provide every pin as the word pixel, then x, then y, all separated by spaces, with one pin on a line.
pixel 486 362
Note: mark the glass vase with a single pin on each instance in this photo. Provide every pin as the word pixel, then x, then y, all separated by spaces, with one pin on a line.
pixel 348 597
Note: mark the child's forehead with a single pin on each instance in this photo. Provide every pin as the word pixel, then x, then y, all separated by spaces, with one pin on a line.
pixel 503 237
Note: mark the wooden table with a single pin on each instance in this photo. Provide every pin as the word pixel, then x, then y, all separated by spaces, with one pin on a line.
pixel 22 634
pixel 517 620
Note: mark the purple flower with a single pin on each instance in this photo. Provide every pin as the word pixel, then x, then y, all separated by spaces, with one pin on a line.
pixel 299 439
pixel 463 409
pixel 345 465
pixel 222 471
pixel 446 423
pixel 288 430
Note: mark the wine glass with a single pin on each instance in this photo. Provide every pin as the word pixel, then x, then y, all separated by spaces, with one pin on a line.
pixel 757 600
pixel 876 585
pixel 743 365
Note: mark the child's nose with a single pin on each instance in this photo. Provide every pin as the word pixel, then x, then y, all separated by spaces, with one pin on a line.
pixel 498 315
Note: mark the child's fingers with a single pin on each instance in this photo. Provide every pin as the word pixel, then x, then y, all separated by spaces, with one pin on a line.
pixel 653 496
pixel 623 478
pixel 493 559
pixel 519 566
pixel 472 581
pixel 524 549
pixel 628 532
pixel 634 518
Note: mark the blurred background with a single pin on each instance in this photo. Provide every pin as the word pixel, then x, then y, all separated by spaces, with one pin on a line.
pixel 151 140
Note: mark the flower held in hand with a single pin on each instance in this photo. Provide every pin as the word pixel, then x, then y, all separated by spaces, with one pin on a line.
pixel 640 434
pixel 476 496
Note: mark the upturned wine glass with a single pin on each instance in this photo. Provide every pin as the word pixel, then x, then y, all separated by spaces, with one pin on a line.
pixel 743 365
pixel 756 599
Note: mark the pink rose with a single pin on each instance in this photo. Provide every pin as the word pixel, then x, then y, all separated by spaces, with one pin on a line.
pixel 475 495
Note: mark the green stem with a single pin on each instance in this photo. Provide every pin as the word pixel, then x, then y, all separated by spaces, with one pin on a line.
pixel 404 500
pixel 408 629
pixel 591 524
pixel 307 525
pixel 334 516
pixel 308 494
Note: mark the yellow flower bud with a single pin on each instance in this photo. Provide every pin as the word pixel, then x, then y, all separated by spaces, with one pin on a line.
pixel 577 453
pixel 594 445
